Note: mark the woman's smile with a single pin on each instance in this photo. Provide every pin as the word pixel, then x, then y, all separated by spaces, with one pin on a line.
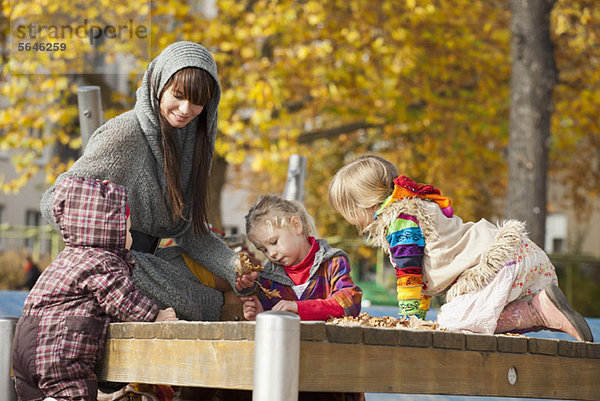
pixel 180 118
pixel 176 110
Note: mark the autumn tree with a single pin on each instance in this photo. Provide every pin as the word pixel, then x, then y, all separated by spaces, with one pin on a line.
pixel 424 83
pixel 575 145
pixel 532 81
pixel 53 48
pixel 413 81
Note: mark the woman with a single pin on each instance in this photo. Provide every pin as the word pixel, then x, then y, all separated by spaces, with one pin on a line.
pixel 161 151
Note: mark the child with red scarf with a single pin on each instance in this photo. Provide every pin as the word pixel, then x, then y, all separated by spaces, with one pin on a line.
pixel 494 277
pixel 308 276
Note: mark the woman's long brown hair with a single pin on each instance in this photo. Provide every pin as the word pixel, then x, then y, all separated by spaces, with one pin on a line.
pixel 197 86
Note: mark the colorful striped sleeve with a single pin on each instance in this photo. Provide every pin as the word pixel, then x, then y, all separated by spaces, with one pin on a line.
pixel 407 245
pixel 342 297
pixel 347 294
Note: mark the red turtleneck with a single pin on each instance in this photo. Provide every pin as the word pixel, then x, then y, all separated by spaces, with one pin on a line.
pixel 301 272
pixel 312 309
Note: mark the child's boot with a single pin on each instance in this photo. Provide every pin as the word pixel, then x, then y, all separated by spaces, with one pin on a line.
pixel 558 315
pixel 549 309
pixel 518 317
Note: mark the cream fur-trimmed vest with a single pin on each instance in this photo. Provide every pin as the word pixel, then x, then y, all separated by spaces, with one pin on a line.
pixel 459 257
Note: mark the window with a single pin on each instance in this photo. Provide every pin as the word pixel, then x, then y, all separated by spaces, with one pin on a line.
pixel 32 219
pixel 230 230
pixel 556 233
pixel 558 245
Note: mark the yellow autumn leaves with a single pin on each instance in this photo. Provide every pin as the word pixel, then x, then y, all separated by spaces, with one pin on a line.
pixel 426 83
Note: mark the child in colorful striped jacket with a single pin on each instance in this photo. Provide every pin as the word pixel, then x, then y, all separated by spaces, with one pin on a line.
pixel 494 277
pixel 311 278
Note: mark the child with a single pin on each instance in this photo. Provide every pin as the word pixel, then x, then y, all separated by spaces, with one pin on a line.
pixel 313 279
pixel 495 278
pixel 62 331
pixel 32 273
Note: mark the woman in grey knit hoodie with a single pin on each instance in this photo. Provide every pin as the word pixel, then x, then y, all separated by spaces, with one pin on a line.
pixel 161 151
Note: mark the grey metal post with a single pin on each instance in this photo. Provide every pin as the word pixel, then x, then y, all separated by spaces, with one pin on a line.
pixel 91 115
pixel 276 356
pixel 7 333
pixel 294 187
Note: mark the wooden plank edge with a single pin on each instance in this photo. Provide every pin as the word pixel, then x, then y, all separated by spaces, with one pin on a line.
pixel 351 368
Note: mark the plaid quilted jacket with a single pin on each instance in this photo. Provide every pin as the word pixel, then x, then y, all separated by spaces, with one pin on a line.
pixel 87 286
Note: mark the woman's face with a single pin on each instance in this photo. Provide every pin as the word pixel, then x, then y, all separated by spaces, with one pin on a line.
pixel 176 110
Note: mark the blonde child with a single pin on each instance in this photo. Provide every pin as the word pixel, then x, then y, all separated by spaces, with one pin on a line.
pixel 312 278
pixel 494 277
pixel 61 334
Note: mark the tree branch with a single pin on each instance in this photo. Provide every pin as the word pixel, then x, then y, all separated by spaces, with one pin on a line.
pixel 311 136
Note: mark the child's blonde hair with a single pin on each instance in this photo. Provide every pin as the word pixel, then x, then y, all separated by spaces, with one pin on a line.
pixel 358 186
pixel 276 212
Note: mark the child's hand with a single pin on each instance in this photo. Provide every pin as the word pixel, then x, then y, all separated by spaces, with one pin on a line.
pixel 288 306
pixel 251 307
pixel 245 281
pixel 166 315
pixel 246 270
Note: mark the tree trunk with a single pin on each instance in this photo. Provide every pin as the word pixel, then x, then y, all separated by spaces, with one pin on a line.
pixel 216 183
pixel 532 80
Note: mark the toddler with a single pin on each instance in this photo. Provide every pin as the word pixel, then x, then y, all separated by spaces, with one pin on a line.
pixel 61 334
pixel 494 277
pixel 308 276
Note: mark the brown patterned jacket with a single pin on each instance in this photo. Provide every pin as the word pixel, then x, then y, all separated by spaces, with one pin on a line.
pixel 61 334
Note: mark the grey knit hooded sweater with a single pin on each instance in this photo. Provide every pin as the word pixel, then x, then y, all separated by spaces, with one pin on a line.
pixel 126 150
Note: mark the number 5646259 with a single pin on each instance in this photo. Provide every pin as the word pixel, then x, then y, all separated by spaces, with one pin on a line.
pixel 41 47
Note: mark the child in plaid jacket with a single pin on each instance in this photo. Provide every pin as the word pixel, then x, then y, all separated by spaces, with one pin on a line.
pixel 61 334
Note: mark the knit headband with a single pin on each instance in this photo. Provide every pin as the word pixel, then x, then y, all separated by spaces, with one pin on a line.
pixel 404 187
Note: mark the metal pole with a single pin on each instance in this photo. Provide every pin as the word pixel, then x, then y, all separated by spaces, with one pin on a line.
pixel 90 111
pixel 294 187
pixel 7 333
pixel 276 356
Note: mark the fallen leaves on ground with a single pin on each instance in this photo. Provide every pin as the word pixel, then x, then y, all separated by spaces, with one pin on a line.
pixel 366 320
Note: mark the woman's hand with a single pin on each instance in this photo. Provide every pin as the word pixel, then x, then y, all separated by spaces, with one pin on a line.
pixel 246 281
pixel 166 315
pixel 251 307
pixel 288 306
